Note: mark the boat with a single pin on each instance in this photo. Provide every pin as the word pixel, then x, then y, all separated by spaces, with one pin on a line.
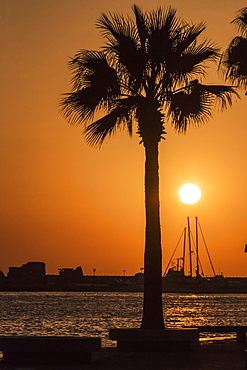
pixel 177 280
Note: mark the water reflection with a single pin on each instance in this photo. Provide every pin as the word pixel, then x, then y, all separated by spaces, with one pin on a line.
pixel 92 314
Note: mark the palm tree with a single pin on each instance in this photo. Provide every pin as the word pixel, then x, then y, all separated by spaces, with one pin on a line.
pixel 148 67
pixel 234 59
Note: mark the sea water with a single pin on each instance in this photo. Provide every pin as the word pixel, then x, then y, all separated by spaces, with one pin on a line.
pixel 94 313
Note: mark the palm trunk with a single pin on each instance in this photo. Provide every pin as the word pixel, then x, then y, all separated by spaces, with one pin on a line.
pixel 152 307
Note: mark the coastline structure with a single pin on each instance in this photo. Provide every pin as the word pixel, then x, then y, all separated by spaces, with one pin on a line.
pixel 32 276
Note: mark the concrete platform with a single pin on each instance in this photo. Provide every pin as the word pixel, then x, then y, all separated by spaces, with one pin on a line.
pixel 240 330
pixel 219 355
pixel 155 340
pixel 47 349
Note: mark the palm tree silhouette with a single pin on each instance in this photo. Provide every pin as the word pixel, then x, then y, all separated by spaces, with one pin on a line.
pixel 234 59
pixel 148 67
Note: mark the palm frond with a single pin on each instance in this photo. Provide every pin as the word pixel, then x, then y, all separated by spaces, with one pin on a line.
pixel 188 107
pixel 123 113
pixel 187 36
pixel 222 94
pixel 96 86
pixel 124 47
pixel 241 21
pixel 141 25
pixel 117 29
pixel 85 64
pixel 133 60
pixel 205 51
pixel 97 131
pixel 194 103
pixel 163 19
pixel 162 25
pixel 191 63
pixel 234 61
pixel 77 107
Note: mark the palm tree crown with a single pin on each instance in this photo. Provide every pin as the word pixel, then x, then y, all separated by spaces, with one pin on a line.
pixel 149 69
pixel 152 61
pixel 234 59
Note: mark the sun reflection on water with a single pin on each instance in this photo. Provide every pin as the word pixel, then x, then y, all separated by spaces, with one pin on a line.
pixel 92 314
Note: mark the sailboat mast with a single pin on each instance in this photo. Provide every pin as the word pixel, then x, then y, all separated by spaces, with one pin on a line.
pixel 184 249
pixel 190 253
pixel 211 263
pixel 197 250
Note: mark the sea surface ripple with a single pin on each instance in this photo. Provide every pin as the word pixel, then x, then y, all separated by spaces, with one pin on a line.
pixel 94 313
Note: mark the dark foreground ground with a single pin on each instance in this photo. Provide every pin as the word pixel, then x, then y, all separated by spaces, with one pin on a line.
pixel 223 355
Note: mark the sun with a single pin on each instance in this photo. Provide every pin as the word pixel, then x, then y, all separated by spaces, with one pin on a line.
pixel 189 193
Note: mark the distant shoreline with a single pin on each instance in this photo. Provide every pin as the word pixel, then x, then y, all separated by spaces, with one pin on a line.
pixel 32 277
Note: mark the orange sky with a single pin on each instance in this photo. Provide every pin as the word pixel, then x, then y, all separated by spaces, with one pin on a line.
pixel 67 204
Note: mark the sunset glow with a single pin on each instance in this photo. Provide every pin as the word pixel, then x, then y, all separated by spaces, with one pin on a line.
pixel 68 204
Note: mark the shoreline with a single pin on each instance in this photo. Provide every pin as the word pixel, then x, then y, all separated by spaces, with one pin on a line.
pixel 118 290
pixel 219 355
